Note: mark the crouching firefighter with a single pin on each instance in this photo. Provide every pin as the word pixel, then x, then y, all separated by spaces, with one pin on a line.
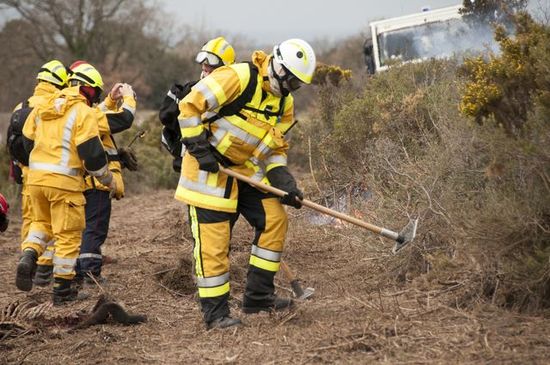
pixel 62 138
pixel 246 107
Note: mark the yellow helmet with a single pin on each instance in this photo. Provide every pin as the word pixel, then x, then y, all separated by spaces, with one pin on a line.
pixel 216 52
pixel 53 72
pixel 87 74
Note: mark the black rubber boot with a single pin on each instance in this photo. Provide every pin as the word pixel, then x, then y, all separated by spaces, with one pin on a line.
pixel 259 295
pixel 25 269
pixel 63 292
pixel 223 322
pixel 274 303
pixel 43 276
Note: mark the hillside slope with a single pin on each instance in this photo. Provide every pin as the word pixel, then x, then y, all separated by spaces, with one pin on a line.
pixel 355 317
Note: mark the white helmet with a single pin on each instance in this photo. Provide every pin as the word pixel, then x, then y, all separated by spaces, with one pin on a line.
pixel 298 57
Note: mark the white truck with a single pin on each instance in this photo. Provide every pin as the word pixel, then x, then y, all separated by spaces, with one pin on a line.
pixel 438 33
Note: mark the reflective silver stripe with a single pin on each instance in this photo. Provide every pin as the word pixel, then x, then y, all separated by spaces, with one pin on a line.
pixel 258 176
pixel 213 281
pixel 111 151
pixel 189 122
pixel 99 172
pixel 103 107
pixel 63 270
pixel 37 237
pixel 243 135
pixel 217 137
pixel 201 188
pixel 66 141
pixel 90 256
pixel 48 254
pixel 203 177
pixel 54 168
pixel 208 95
pixel 63 261
pixel 263 149
pixel 183 149
pixel 129 108
pixel 266 254
pixel 278 159
pixel 172 96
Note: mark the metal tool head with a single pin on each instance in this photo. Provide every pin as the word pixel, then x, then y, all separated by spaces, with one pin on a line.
pixel 308 293
pixel 406 236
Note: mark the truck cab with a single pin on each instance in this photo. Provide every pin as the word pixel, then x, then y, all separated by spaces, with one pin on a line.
pixel 438 33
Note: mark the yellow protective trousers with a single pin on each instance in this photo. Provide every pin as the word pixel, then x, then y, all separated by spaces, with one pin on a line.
pixel 57 215
pixel 26 213
pixel 212 232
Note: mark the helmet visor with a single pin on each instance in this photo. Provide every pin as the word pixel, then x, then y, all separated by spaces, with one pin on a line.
pixel 209 58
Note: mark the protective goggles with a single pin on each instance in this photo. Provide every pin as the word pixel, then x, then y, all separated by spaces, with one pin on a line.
pixel 209 58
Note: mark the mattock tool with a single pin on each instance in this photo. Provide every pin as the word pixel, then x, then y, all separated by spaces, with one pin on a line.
pixel 297 289
pixel 402 239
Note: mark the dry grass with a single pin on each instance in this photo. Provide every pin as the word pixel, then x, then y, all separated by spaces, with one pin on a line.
pixel 356 316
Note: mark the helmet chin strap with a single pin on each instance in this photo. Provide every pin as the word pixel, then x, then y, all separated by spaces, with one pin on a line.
pixel 276 82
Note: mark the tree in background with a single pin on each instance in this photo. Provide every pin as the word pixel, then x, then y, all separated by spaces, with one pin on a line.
pixel 122 38
pixel 490 11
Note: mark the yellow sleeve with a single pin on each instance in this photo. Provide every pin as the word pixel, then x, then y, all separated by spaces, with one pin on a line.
pixel 108 104
pixel 287 119
pixel 217 89
pixel 86 125
pixel 29 127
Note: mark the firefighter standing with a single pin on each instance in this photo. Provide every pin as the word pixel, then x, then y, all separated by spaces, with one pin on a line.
pixel 247 136
pixel 63 141
pixel 215 53
pixel 111 119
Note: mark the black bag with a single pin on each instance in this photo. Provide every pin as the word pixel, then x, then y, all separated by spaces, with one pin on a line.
pixel 15 143
pixel 168 115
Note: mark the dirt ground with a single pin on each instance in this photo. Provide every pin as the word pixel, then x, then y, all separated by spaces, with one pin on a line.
pixel 355 317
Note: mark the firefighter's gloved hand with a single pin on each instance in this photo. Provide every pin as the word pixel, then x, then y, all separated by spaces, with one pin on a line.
pixel 126 90
pixel 128 159
pixel 118 193
pixel 112 188
pixel 208 162
pixel 293 198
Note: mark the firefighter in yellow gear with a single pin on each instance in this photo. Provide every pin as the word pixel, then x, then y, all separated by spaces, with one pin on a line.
pixel 112 118
pixel 238 116
pixel 51 77
pixel 63 140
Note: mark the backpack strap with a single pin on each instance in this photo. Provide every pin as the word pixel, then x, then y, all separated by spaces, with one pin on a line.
pixel 239 103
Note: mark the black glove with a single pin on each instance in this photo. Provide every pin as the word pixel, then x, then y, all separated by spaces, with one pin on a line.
pixel 128 159
pixel 282 179
pixel 4 222
pixel 208 162
pixel 290 198
pixel 201 150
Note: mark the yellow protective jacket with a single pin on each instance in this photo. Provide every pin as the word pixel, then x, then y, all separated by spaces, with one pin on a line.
pixel 251 140
pixel 66 142
pixel 42 92
pixel 112 119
